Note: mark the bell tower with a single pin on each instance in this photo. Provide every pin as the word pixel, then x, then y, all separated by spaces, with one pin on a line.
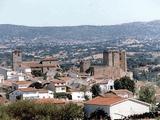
pixel 16 59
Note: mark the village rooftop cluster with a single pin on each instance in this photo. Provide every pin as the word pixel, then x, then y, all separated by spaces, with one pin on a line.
pixel 45 80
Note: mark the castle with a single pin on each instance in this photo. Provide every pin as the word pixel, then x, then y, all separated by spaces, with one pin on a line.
pixel 114 65
pixel 42 66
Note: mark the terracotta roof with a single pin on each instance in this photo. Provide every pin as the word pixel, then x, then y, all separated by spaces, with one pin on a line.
pixel 65 78
pixel 104 81
pixel 74 90
pixel 49 101
pixel 33 90
pixel 58 81
pixel 22 82
pixel 29 63
pixel 49 59
pixel 112 99
pixel 7 82
pixel 122 91
pixel 106 100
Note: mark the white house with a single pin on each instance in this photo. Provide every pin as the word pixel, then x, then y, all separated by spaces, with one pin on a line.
pixel 106 85
pixel 116 107
pixel 8 73
pixel 1 78
pixel 80 95
pixel 30 93
pixel 57 86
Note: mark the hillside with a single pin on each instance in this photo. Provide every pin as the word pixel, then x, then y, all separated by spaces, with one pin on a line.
pixel 138 30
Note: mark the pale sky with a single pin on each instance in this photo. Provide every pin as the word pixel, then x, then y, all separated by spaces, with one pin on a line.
pixel 77 12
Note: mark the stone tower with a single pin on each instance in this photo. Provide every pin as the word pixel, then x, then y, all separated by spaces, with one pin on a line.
pixel 84 65
pixel 123 60
pixel 115 58
pixel 107 58
pixel 16 59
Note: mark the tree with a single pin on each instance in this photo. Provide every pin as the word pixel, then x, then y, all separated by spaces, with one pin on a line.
pixel 29 110
pixel 37 73
pixel 96 90
pixel 36 85
pixel 147 94
pixel 99 114
pixel 63 95
pixel 125 83
pixel 71 112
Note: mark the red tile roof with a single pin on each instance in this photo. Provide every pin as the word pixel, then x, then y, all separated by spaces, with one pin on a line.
pixel 106 100
pixel 122 91
pixel 49 59
pixel 22 82
pixel 33 90
pixel 58 81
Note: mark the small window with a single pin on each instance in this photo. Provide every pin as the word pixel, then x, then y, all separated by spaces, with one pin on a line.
pixel 111 87
pixel 62 88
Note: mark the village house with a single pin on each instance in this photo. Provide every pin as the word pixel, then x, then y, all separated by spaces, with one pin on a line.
pixel 116 107
pixel 78 95
pixel 58 86
pixel 106 85
pixel 30 93
pixel 20 84
pixel 124 93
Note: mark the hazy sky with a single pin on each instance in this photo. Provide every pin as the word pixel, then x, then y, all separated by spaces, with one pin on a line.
pixel 77 12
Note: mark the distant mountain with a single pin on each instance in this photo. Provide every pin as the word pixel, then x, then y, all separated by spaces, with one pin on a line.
pixel 138 30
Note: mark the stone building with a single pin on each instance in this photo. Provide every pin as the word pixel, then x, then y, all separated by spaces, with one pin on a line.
pixel 114 65
pixel 115 58
pixel 41 66
pixel 84 65
pixel 16 59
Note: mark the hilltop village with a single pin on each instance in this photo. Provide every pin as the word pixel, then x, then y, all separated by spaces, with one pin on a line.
pixel 107 86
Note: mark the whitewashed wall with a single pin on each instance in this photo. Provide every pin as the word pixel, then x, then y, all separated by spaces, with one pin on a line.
pixel 127 108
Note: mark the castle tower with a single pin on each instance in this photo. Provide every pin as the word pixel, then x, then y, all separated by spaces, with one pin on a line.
pixel 84 65
pixel 107 58
pixel 115 58
pixel 123 60
pixel 16 59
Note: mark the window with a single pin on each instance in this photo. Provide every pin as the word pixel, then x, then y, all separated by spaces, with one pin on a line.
pixel 111 87
pixel 62 88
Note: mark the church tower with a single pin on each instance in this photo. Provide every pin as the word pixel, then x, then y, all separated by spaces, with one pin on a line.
pixel 16 59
